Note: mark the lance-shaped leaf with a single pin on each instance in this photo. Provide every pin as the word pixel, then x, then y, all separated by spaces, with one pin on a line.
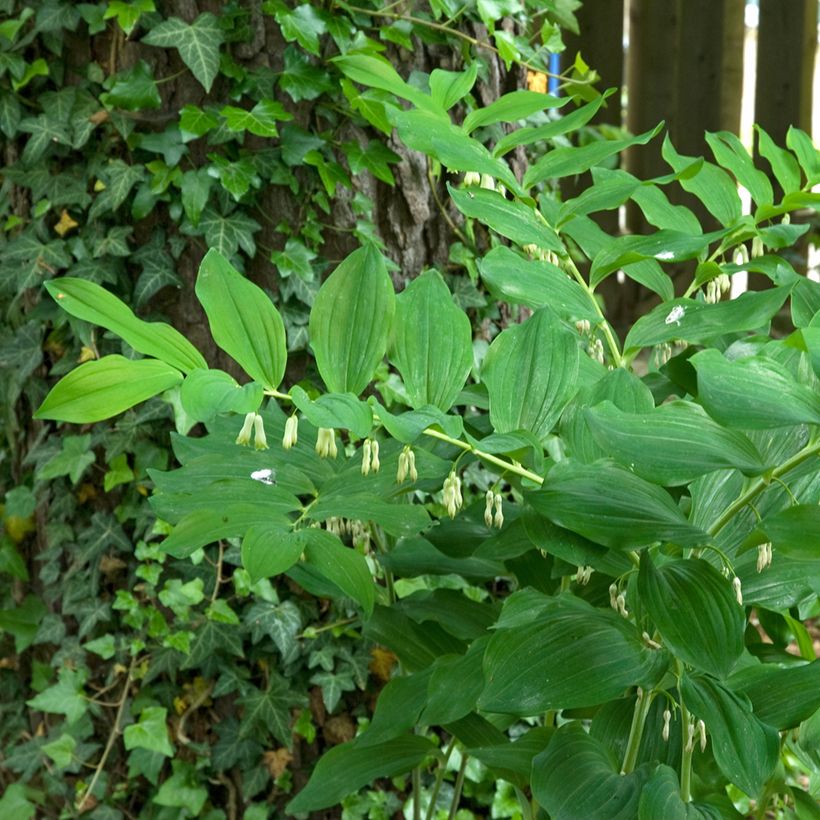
pixel 660 797
pixel 577 776
pixel 351 320
pixel 269 550
pixel 745 749
pixel 732 155
pixel 794 531
pixel 100 389
pixel 207 393
pixel 517 105
pixel 694 609
pixel 510 218
pixel 432 342
pixel 243 320
pixel 698 322
pixel 673 444
pixel 448 87
pixel 781 697
pixel 530 372
pixel 92 303
pixel 534 283
pixel 612 506
pixel 345 769
pixel 575 656
pixel 756 392
pixel 784 165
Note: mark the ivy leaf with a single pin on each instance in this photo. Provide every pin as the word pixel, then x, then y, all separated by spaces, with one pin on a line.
pixel 119 178
pixel 72 460
pixel 302 80
pixel 260 120
pixel 194 122
pixel 211 640
pixel 133 90
pixel 151 732
pixel 303 24
pixel 279 622
pixel 295 258
pixel 61 750
pixel 197 43
pixel 229 233
pixel 270 710
pixel 66 697
pixel 333 686
pixel 374 157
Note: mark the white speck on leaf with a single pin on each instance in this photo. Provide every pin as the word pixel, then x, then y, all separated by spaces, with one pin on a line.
pixel 675 315
pixel 265 476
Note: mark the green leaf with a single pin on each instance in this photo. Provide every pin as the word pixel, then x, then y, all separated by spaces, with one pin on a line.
pixel 14 803
pixel 784 165
pixel 269 551
pixel 745 749
pixel 133 90
pixel 612 506
pixel 407 427
pixel 787 531
pixel 61 751
pixel 66 697
pixel 227 234
pixel 197 43
pixel 781 697
pixel 243 320
pixel 270 710
pixel 448 87
pixel 445 703
pixel 432 342
pixel 610 190
pixel 807 155
pixel 303 24
pixel 754 393
pixel 576 656
pixel 530 371
pixel 671 445
pixel 697 322
pixel 207 393
pixel 351 320
pixel 730 153
pixel 260 120
pixel 296 258
pixel 510 218
pixel 564 162
pixel 660 797
pixel 23 621
pixel 183 789
pixel 92 303
pixel 194 122
pixel 511 107
pixel 335 410
pixel 103 388
pixel 346 768
pixel 342 565
pixel 695 611
pixel 576 776
pixel 535 284
pixel 711 185
pixel 397 519
pixel 563 125
pixel 76 454
pixel 150 732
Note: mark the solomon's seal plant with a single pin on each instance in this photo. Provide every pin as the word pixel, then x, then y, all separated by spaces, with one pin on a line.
pixel 574 536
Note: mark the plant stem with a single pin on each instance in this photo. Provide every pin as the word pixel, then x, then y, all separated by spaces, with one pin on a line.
pixel 760 484
pixel 112 737
pixel 416 776
pixel 686 756
pixel 642 705
pixel 458 786
pixel 526 808
pixel 442 767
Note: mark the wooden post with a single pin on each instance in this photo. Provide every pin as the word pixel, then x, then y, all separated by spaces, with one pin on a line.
pixel 786 43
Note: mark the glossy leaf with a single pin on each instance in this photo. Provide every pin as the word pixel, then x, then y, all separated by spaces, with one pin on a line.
pixel 530 371
pixel 269 551
pixel 432 342
pixel 783 163
pixel 673 444
pixel 105 387
pixel 576 776
pixel 576 656
pixel 207 393
pixel 511 107
pixel 351 320
pixel 508 217
pixel 448 87
pixel 794 531
pixel 696 322
pixel 243 320
pixel 92 303
pixel 694 608
pixel 344 769
pixel 342 565
pixel 732 155
pixel 807 154
pixel 754 393
pixel 335 410
pixel 745 749
pixel 612 506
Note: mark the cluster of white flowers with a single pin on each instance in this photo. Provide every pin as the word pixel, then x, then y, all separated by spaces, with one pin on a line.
pixel 583 575
pixel 370 456
pixel 764 556
pixel 542 254
pixel 253 422
pixel 341 527
pixel 715 288
pixel 326 443
pixel 696 728
pixel 738 590
pixel 493 511
pixel 453 499
pixel 596 350
pixel 291 435
pixel 617 600
pixel 583 327
pixel 407 465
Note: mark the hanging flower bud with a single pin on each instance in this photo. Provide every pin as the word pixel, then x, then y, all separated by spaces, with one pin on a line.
pixel 471 178
pixel 786 220
pixel 764 556
pixel 738 590
pixel 583 326
pixel 712 292
pixel 411 466
pixel 702 732
pixel 375 464
pixel 583 575
pixel 741 255
pixel 260 442
pixel 326 443
pixel 757 247
pixel 487 182
pixel 452 494
pixel 667 718
pixel 621 606
pixel 366 457
pixel 244 437
pixel 291 435
pixel 401 473
pixel 498 518
pixel 488 508
pixel 613 596
pixel 724 282
pixel 649 642
pixel 531 250
pixel 690 736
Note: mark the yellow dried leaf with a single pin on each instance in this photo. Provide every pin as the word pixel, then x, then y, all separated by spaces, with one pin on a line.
pixel 382 662
pixel 65 224
pixel 536 81
pixel 86 355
